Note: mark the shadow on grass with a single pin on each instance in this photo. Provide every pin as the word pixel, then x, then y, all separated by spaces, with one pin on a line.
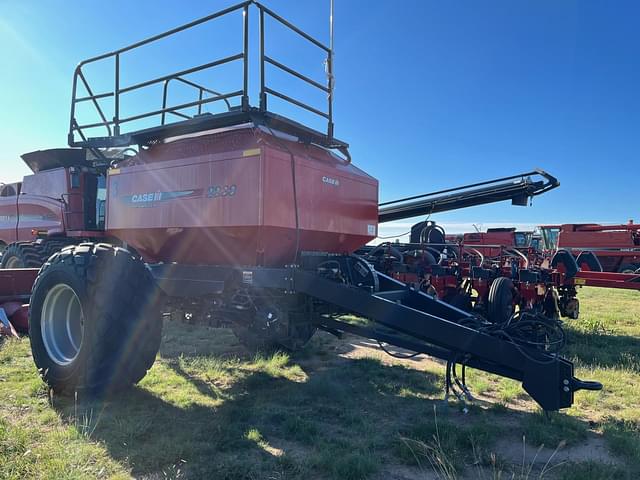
pixel 343 419
pixel 603 349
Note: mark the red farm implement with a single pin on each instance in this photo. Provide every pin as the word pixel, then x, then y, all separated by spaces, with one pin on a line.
pixel 237 216
pixel 616 246
pixel 501 285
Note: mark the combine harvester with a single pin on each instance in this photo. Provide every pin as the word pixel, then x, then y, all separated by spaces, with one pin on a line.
pixel 243 217
pixel 616 246
pixel 495 241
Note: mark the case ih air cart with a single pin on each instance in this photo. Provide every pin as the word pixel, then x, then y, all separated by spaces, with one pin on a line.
pixel 239 216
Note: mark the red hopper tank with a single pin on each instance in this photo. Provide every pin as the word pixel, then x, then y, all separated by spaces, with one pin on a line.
pixel 227 198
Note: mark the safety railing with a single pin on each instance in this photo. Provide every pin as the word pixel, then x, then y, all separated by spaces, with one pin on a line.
pixel 206 95
pixel 264 59
pixel 202 90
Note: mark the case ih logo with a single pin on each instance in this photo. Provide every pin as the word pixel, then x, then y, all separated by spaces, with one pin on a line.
pixel 331 181
pixel 148 199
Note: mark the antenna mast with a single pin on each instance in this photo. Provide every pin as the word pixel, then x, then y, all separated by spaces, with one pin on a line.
pixel 330 79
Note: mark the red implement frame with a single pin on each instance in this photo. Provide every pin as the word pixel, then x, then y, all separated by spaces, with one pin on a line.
pixel 15 289
pixel 15 284
pixel 629 281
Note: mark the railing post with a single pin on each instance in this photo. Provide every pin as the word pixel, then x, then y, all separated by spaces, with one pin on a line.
pixel 330 94
pixel 71 136
pixel 263 94
pixel 200 101
pixel 245 59
pixel 116 108
pixel 164 100
pixel 330 73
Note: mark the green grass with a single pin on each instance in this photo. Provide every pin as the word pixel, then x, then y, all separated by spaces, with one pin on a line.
pixel 210 409
pixel 624 438
pixel 459 442
pixel 590 470
pixel 550 429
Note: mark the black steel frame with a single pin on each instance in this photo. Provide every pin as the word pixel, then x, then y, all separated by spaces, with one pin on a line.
pixel 246 112
pixel 410 319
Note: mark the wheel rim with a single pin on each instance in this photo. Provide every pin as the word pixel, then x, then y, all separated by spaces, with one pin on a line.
pixel 13 262
pixel 62 324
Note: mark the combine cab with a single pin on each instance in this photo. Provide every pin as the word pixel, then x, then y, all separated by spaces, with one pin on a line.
pixel 61 203
pixel 490 243
pixel 239 217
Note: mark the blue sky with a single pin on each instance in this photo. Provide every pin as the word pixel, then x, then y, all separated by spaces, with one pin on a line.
pixel 429 94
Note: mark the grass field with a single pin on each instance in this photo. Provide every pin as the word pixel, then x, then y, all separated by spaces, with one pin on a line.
pixel 340 409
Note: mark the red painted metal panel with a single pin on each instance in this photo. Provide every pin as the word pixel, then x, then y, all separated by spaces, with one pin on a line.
pixel 592 240
pixel 227 198
pixel 614 245
pixel 629 281
pixel 16 283
pixel 18 315
pixel 478 239
pixel 8 218
pixel 40 205
pixel 40 213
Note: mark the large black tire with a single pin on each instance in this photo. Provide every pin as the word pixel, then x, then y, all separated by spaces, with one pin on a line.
pixel 55 244
pixel 272 327
pixel 113 335
pixel 500 300
pixel 23 255
pixel 256 341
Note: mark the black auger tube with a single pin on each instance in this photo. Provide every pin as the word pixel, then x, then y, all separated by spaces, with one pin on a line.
pixel 517 188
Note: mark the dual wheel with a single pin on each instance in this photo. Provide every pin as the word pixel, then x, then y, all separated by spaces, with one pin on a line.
pixel 22 255
pixel 94 319
pixel 31 254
